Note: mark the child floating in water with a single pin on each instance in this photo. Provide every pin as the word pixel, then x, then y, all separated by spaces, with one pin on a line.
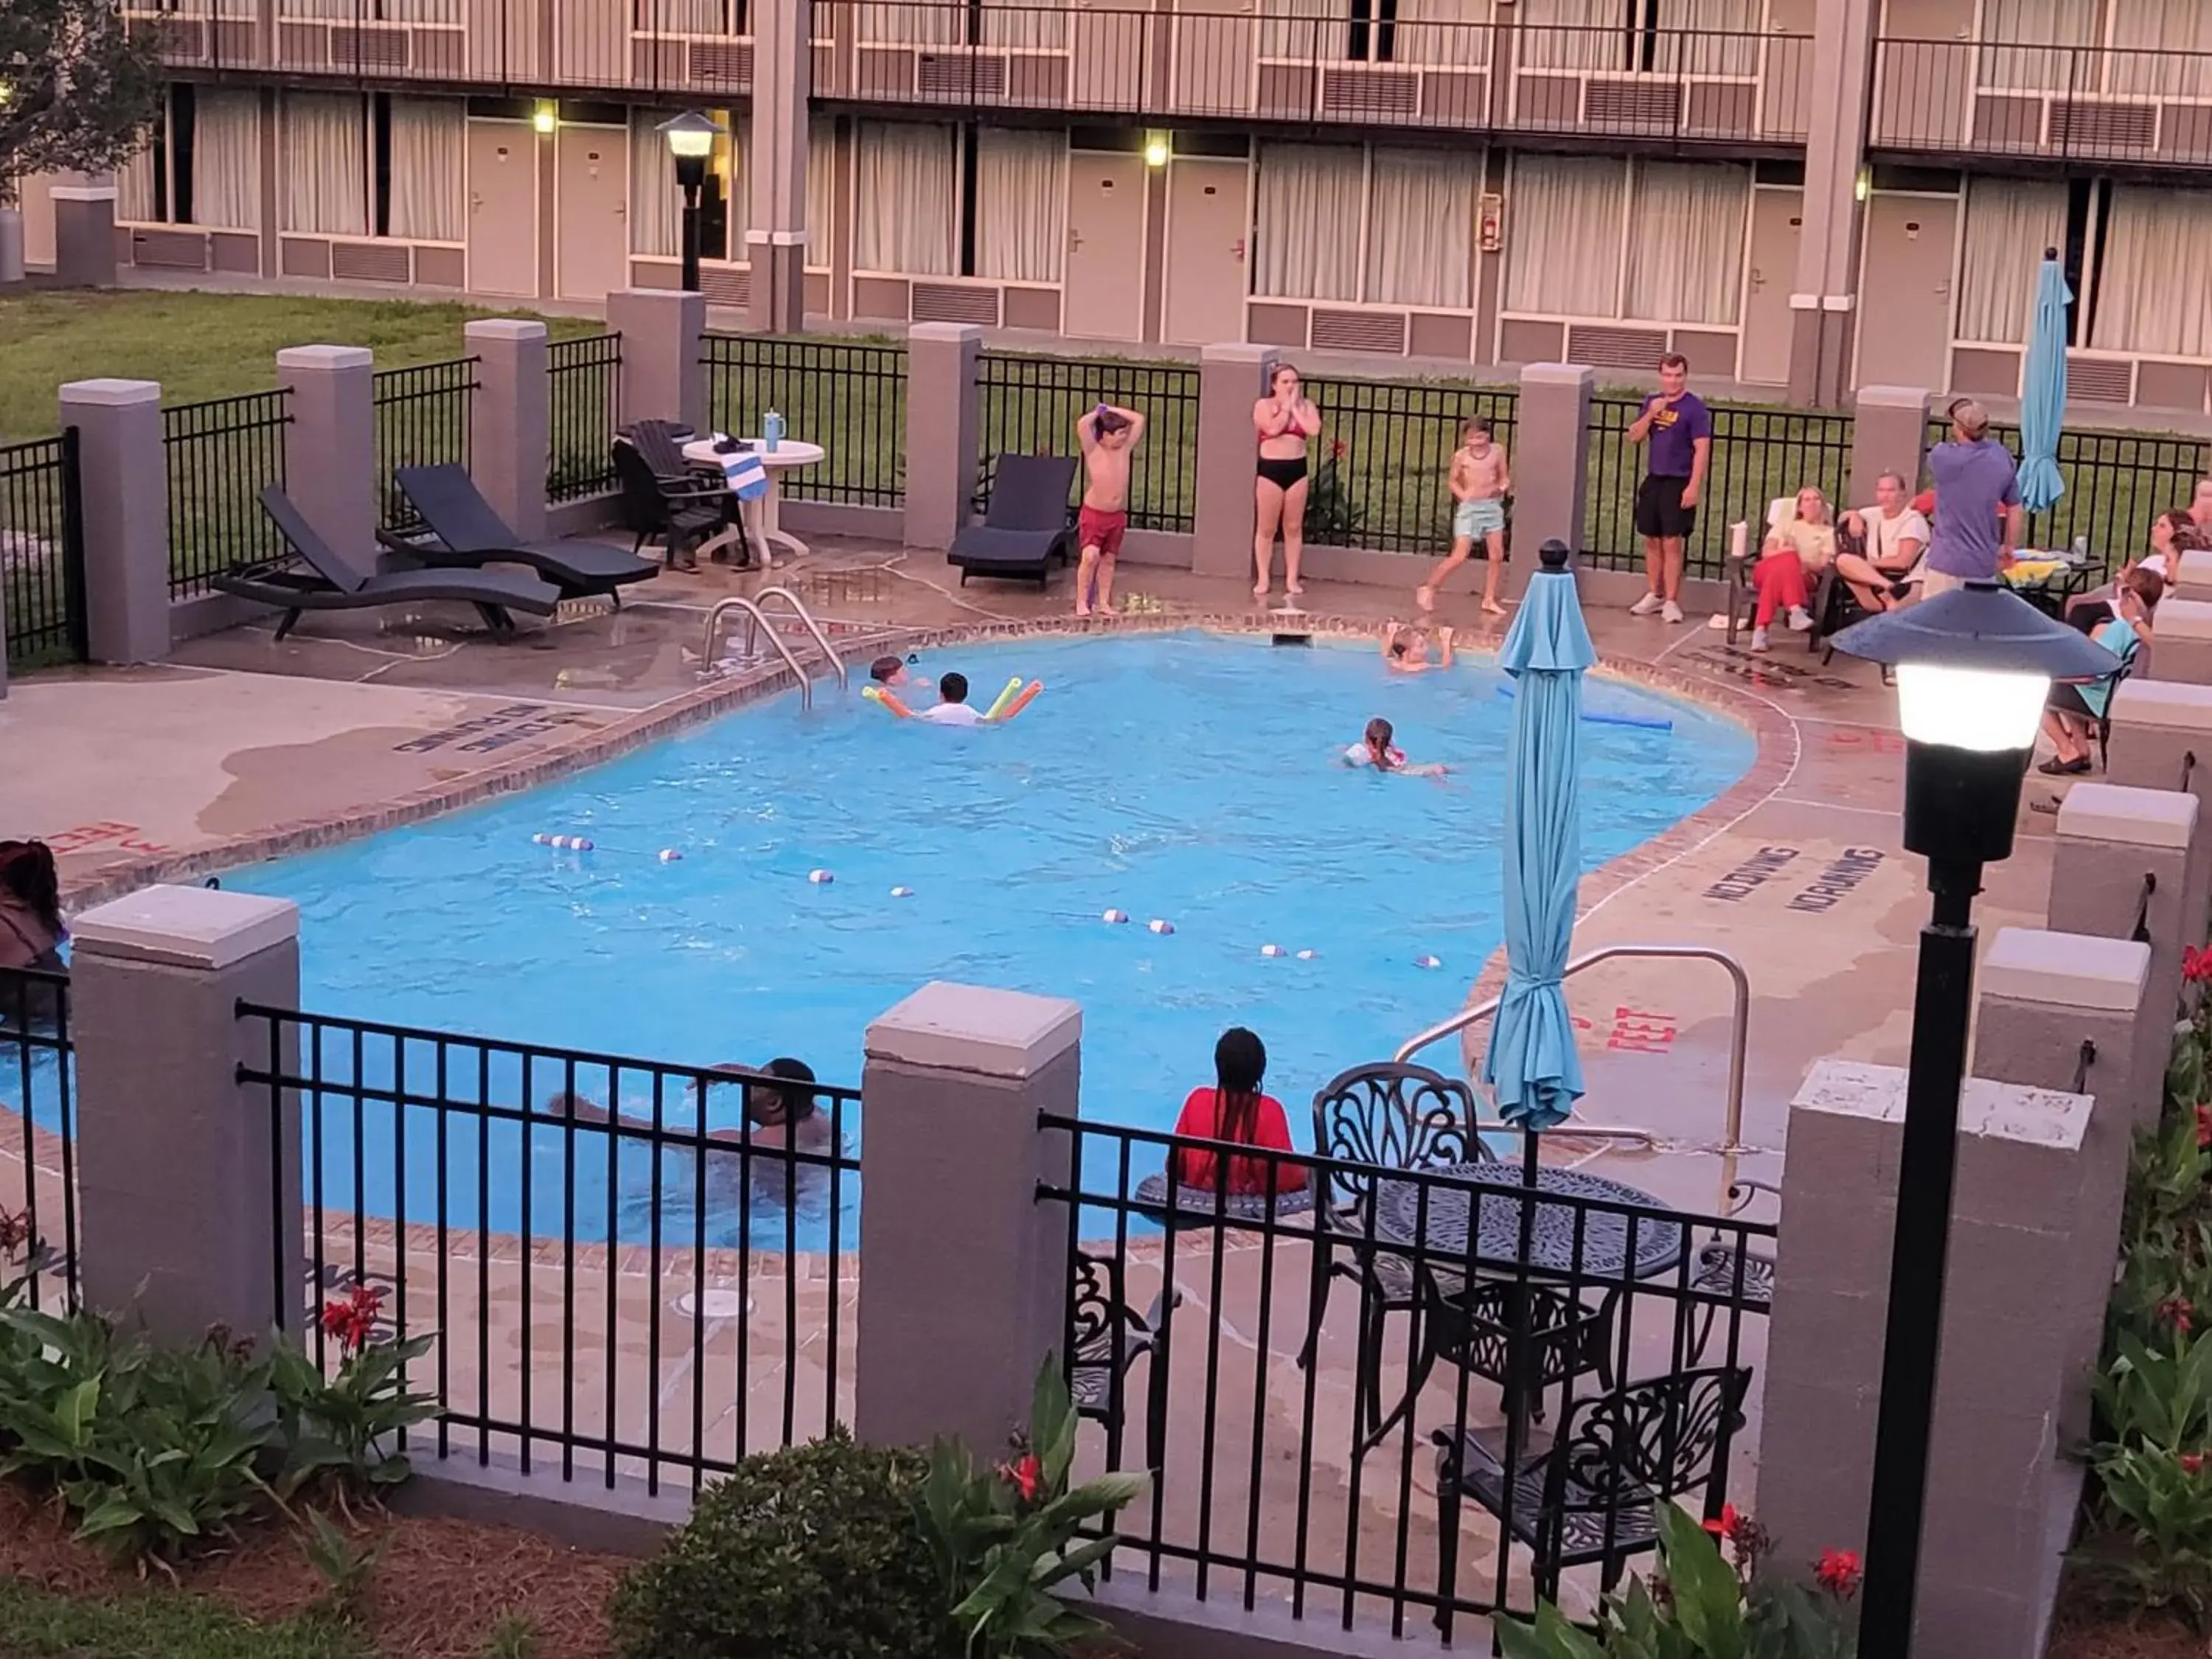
pixel 1376 750
pixel 1405 650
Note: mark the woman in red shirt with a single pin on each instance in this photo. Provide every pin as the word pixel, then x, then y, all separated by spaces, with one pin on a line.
pixel 1235 1109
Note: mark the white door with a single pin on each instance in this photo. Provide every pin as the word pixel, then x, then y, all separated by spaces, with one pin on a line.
pixel 1105 271
pixel 502 209
pixel 1209 229
pixel 1776 216
pixel 591 251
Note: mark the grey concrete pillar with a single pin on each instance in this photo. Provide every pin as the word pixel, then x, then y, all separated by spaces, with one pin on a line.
pixel 187 1208
pixel 2162 736
pixel 2113 843
pixel 2044 996
pixel 2001 1499
pixel 1551 463
pixel 331 469
pixel 125 478
pixel 2192 577
pixel 664 375
pixel 2183 650
pixel 510 420
pixel 1231 379
pixel 1822 305
pixel 776 162
pixel 943 430
pixel 84 234
pixel 1888 434
pixel 11 244
pixel 956 1077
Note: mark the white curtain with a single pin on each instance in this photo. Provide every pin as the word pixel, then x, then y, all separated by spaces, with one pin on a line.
pixel 2163 48
pixel 1563 226
pixel 1021 204
pixel 1686 257
pixel 2009 224
pixel 1305 236
pixel 429 156
pixel 1304 30
pixel 1039 24
pixel 821 189
pixel 656 205
pixel 2045 28
pixel 1574 34
pixel 915 25
pixel 325 171
pixel 1709 38
pixel 227 160
pixel 909 199
pixel 134 189
pixel 1453 34
pixel 2155 295
pixel 1420 229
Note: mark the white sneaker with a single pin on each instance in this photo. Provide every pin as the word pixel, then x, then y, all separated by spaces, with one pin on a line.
pixel 1670 613
pixel 1647 606
pixel 1800 620
pixel 1759 639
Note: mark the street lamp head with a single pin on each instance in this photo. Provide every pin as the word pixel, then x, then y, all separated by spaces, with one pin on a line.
pixel 690 135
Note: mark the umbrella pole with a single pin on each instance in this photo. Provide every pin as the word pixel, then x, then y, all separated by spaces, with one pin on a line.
pixel 1518 1395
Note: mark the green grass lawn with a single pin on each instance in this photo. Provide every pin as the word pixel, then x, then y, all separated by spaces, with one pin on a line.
pixel 157 1624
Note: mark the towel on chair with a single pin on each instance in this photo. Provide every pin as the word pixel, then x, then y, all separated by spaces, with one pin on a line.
pixel 747 473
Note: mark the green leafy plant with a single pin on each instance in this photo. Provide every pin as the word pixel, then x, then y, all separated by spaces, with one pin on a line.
pixel 1333 514
pixel 347 1427
pixel 344 1566
pixel 1006 1538
pixel 512 1637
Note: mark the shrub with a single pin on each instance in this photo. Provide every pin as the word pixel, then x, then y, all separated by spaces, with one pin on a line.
pixel 812 1553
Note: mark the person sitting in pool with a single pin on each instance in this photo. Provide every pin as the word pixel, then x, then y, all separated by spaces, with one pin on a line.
pixel 952 707
pixel 1234 1109
pixel 790 1116
pixel 890 672
pixel 1375 749
pixel 1405 650
pixel 31 927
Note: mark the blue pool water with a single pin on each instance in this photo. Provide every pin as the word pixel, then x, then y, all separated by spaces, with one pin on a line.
pixel 1192 778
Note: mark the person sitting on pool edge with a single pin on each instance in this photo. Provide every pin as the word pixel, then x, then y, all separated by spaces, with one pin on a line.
pixel 1234 1109
pixel 1374 749
pixel 1405 650
pixel 952 707
pixel 890 672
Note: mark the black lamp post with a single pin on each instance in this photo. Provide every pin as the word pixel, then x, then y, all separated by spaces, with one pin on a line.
pixel 692 140
pixel 1974 666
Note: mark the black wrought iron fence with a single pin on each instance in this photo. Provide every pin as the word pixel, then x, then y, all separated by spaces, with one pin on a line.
pixel 850 396
pixel 38 1134
pixel 1381 470
pixel 1030 403
pixel 42 552
pixel 221 453
pixel 1326 1406
pixel 583 379
pixel 422 418
pixel 618 1262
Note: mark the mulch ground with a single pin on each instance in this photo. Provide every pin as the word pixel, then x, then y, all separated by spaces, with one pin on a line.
pixel 2081 1631
pixel 440 1590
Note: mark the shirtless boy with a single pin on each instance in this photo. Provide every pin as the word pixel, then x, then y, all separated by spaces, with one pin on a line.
pixel 1106 434
pixel 1480 481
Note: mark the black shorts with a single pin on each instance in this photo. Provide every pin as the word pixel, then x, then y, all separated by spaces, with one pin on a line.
pixel 2069 700
pixel 1659 509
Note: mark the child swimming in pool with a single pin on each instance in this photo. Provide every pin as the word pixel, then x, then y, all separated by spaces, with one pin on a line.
pixel 890 672
pixel 952 707
pixel 1405 650
pixel 1375 749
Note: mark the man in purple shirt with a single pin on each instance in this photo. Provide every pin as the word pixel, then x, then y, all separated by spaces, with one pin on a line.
pixel 1977 512
pixel 1680 430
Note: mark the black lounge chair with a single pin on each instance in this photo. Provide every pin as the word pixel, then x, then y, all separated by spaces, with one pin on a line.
pixel 332 582
pixel 1027 525
pixel 461 529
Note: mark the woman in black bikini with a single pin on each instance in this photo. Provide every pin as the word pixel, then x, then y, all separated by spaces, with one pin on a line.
pixel 1286 422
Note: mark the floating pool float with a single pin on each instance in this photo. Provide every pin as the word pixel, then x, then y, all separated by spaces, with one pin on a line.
pixel 1639 722
pixel 1428 962
pixel 1159 926
pixel 1115 916
pixel 671 856
pixel 999 703
pixel 1028 696
pixel 902 892
pixel 876 695
pixel 1272 950
pixel 820 878
pixel 1308 955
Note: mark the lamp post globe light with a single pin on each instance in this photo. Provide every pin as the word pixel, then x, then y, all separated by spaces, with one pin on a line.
pixel 691 138
pixel 1974 666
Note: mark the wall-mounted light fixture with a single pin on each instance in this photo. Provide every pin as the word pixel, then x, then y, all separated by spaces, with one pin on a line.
pixel 1156 149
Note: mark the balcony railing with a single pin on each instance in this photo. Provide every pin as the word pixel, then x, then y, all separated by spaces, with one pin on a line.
pixel 2062 102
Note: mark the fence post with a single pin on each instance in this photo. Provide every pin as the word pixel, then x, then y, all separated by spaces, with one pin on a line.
pixel 510 420
pixel 330 464
pixel 943 412
pixel 84 232
pixel 1551 464
pixel 2194 575
pixel 2183 650
pixel 124 485
pixel 1231 378
pixel 180 1183
pixel 956 1077
pixel 1889 433
pixel 2163 739
pixel 664 375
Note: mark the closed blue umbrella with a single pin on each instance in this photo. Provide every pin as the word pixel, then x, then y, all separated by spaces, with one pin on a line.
pixel 2043 391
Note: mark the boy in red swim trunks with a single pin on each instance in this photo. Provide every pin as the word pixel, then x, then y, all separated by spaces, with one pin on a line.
pixel 1108 434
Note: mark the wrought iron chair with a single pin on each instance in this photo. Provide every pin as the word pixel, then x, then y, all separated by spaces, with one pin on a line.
pixel 1369 1121
pixel 1590 1496
pixel 1109 1337
pixel 1732 1273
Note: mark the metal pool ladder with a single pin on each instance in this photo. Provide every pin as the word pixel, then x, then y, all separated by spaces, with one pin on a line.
pixel 756 622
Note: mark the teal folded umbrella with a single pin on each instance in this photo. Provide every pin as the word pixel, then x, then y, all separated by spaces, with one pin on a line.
pixel 2043 390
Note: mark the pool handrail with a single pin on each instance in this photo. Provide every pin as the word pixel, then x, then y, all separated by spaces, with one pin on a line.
pixel 1732 1146
pixel 807 616
pixel 783 648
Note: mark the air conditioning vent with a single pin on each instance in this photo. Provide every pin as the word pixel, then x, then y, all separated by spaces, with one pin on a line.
pixel 1603 347
pixel 2082 125
pixel 722 63
pixel 1376 95
pixel 942 302
pixel 974 76
pixel 369 50
pixel 370 262
pixel 174 250
pixel 1359 330
pixel 2100 379
pixel 1632 106
pixel 725 286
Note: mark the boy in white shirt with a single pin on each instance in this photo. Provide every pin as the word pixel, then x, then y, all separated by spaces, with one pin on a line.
pixel 952 707
pixel 1895 538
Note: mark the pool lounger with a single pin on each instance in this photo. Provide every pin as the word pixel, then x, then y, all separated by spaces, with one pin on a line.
pixel 331 582
pixel 466 531
pixel 1026 524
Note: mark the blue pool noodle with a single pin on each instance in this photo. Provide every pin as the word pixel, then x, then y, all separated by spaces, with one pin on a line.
pixel 1641 722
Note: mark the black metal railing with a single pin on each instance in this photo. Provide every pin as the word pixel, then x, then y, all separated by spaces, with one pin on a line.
pixel 2116 484
pixel 221 454
pixel 1759 456
pixel 1029 405
pixel 1292 1433
pixel 850 396
pixel 583 384
pixel 612 1268
pixel 42 552
pixel 423 417
pixel 37 1134
pixel 1380 471
pixel 2075 103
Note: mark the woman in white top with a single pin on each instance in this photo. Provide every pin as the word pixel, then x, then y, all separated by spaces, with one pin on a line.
pixel 1894 537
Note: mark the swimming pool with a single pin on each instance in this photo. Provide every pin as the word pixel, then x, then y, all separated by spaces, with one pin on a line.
pixel 1192 778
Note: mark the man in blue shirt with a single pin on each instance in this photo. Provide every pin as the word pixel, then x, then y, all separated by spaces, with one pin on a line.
pixel 1679 428
pixel 1977 512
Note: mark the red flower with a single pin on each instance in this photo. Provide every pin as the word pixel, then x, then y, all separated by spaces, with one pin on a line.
pixel 2191 1463
pixel 1728 1526
pixel 1337 450
pixel 2197 964
pixel 1837 1571
pixel 1024 1476
pixel 2176 1311
pixel 352 1320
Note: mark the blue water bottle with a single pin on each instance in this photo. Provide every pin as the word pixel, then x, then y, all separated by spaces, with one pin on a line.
pixel 772 430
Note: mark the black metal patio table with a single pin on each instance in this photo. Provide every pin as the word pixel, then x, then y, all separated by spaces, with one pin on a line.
pixel 1566 1240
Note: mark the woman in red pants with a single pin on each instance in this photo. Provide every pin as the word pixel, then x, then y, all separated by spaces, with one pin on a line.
pixel 1797 551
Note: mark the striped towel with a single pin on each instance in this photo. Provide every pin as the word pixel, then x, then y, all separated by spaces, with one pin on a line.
pixel 747 474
